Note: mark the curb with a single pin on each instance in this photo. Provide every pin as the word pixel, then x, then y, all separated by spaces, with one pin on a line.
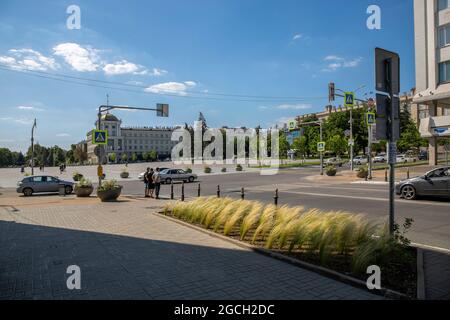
pixel 387 293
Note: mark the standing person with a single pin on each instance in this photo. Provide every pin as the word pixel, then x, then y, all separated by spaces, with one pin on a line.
pixel 147 179
pixel 157 182
pixel 151 184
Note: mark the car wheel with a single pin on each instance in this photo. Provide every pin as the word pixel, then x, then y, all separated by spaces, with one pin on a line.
pixel 191 179
pixel 68 189
pixel 27 192
pixel 168 181
pixel 408 192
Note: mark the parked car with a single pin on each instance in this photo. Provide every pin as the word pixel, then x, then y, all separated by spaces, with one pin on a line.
pixel 141 175
pixel 404 158
pixel 337 162
pixel 380 158
pixel 423 155
pixel 360 160
pixel 433 183
pixel 169 175
pixel 40 184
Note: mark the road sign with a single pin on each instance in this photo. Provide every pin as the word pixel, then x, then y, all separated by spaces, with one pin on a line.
pixel 100 137
pixel 383 119
pixel 321 146
pixel 387 68
pixel 349 99
pixel 370 118
pixel 162 110
pixel 292 125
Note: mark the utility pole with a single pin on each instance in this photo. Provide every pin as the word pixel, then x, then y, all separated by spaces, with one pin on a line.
pixel 32 147
pixel 351 139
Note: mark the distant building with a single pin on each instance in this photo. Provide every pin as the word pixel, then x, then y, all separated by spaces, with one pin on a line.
pixel 432 46
pixel 131 140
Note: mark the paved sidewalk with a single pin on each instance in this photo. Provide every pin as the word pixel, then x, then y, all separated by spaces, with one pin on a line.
pixel 126 252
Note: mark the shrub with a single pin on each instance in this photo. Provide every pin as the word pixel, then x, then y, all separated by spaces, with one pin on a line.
pixel 224 170
pixel 207 170
pixel 109 185
pixel 27 174
pixel 239 167
pixel 84 183
pixel 77 176
pixel 331 171
pixel 363 172
pixel 188 170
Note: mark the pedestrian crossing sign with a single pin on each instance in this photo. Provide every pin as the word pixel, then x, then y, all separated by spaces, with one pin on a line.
pixel 321 146
pixel 349 99
pixel 292 125
pixel 370 118
pixel 100 137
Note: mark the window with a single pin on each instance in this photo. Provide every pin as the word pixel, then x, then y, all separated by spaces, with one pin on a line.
pixel 443 4
pixel 444 36
pixel 444 72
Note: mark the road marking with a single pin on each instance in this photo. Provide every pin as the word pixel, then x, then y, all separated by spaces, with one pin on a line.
pixel 368 198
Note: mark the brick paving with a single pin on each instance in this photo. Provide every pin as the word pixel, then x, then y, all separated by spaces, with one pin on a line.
pixel 126 252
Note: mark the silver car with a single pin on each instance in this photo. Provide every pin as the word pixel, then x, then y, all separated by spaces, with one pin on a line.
pixel 169 175
pixel 40 184
pixel 433 183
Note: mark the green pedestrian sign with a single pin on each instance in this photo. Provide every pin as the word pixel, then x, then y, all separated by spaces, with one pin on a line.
pixel 349 99
pixel 370 118
pixel 100 137
pixel 321 146
pixel 292 125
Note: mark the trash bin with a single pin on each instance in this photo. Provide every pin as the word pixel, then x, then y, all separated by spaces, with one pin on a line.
pixel 62 189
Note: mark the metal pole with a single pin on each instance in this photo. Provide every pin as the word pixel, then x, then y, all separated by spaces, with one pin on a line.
pixel 321 153
pixel 218 191
pixel 100 147
pixel 351 138
pixel 391 149
pixel 370 151
pixel 32 147
pixel 242 193
pixel 171 191
pixel 275 198
pixel 198 190
pixel 182 191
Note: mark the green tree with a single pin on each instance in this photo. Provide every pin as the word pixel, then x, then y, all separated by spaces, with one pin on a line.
pixel 153 155
pixel 124 157
pixel 337 144
pixel 134 157
pixel 409 134
pixel 113 157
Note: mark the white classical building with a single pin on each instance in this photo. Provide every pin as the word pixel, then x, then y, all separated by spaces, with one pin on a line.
pixel 432 46
pixel 131 140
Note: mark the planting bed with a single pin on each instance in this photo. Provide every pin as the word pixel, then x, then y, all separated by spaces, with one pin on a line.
pixel 338 241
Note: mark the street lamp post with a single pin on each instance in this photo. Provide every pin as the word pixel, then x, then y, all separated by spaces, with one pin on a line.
pixel 321 153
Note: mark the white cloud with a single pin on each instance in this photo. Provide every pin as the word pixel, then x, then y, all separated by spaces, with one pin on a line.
pixel 29 108
pixel 123 67
pixel 63 135
pixel 339 62
pixel 28 59
pixel 297 36
pixel 158 72
pixel 82 59
pixel 294 106
pixel 263 107
pixel 23 121
pixel 171 87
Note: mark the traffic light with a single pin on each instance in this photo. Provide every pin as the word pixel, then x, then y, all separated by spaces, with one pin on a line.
pixel 331 92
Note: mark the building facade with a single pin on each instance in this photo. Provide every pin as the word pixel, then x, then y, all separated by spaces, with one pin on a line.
pixel 432 46
pixel 131 140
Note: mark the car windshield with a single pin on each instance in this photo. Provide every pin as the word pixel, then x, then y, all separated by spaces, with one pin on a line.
pixel 166 171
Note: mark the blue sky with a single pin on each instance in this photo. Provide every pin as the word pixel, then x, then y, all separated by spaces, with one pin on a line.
pixel 188 49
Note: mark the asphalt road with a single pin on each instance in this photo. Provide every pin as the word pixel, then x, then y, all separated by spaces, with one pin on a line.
pixel 431 215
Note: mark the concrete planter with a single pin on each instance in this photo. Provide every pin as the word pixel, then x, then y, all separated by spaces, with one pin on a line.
pixel 124 175
pixel 109 195
pixel 83 192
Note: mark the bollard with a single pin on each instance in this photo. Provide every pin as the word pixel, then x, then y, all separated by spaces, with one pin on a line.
pixel 275 198
pixel 242 193
pixel 385 175
pixel 198 190
pixel 407 174
pixel 182 191
pixel 171 191
pixel 218 191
